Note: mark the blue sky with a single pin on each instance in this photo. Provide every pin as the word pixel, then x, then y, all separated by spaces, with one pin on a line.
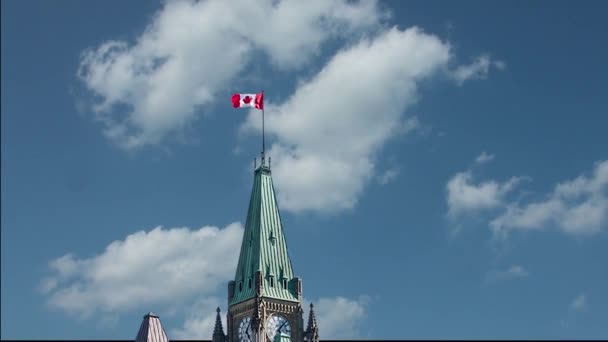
pixel 441 167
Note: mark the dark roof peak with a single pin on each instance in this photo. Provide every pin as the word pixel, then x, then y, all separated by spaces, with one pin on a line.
pixel 312 331
pixel 218 329
pixel 264 169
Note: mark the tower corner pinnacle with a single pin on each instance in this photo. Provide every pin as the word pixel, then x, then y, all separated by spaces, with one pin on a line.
pixel 312 331
pixel 218 330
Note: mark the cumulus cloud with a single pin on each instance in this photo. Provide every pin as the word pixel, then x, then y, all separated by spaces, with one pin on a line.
pixel 150 88
pixel 339 317
pixel 159 267
pixel 577 207
pixel 478 69
pixel 329 131
pixel 464 195
pixel 200 321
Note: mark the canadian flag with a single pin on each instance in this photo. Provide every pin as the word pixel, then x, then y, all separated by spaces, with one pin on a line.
pixel 248 100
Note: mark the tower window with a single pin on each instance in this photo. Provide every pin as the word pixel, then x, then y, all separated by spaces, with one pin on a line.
pixel 249 283
pixel 241 286
pixel 271 281
pixel 285 283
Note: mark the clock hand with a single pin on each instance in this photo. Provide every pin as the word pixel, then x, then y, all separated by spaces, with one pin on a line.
pixel 279 329
pixel 247 331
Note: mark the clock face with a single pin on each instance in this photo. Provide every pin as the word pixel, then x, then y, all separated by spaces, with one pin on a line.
pixel 245 332
pixel 277 324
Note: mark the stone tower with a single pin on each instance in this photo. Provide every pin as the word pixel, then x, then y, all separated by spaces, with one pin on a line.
pixel 265 298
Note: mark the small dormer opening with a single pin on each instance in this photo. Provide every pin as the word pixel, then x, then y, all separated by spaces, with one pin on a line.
pixel 272 238
pixel 271 278
pixel 249 283
pixel 240 286
pixel 284 283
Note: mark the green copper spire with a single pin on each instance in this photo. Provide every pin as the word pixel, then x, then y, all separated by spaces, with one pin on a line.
pixel 264 248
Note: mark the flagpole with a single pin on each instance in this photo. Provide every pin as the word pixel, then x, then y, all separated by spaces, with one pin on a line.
pixel 263 135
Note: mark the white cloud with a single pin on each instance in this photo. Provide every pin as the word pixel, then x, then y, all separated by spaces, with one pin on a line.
pixel 150 89
pixel 338 317
pixel 388 176
pixel 159 267
pixel 484 158
pixel 513 272
pixel 477 70
pixel 465 196
pixel 291 32
pixel 577 207
pixel 579 303
pixel 200 321
pixel 329 131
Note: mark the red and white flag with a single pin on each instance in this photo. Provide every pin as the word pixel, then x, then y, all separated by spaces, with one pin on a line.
pixel 248 100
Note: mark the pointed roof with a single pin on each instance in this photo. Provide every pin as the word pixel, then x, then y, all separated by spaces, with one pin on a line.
pixel 264 247
pixel 218 330
pixel 312 331
pixel 312 321
pixel 151 330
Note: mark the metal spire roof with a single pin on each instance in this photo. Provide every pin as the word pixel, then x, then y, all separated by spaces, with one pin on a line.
pixel 151 330
pixel 282 337
pixel 264 247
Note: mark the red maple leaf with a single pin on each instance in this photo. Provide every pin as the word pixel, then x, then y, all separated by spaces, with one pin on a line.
pixel 247 99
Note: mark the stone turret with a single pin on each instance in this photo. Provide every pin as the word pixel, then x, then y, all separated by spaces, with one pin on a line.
pixel 218 330
pixel 312 331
